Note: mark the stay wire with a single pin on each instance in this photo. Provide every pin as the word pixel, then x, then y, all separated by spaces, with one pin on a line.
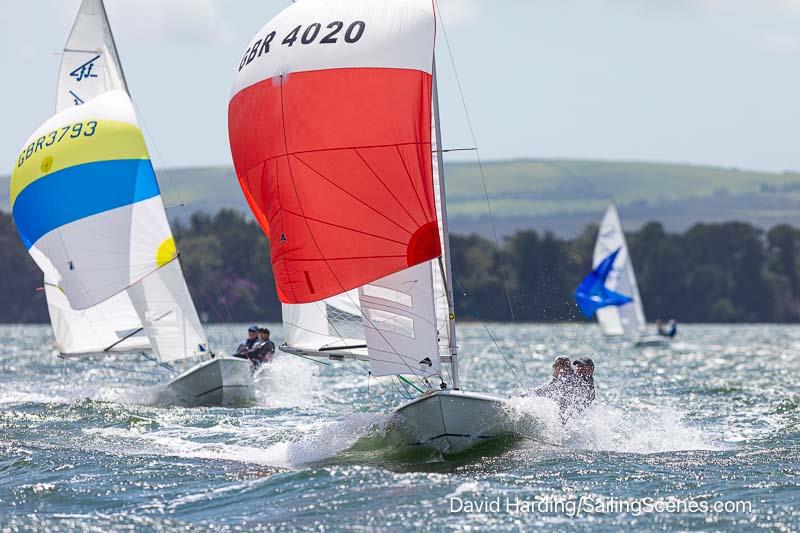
pixel 165 170
pixel 488 331
pixel 485 189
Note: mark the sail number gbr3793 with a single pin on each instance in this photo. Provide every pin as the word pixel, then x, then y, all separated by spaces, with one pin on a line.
pixel 70 131
pixel 313 33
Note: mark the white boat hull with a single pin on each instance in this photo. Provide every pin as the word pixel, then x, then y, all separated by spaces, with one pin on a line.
pixel 219 381
pixel 653 341
pixel 452 421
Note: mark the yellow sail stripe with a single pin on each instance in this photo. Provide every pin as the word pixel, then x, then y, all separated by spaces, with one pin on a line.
pixel 76 144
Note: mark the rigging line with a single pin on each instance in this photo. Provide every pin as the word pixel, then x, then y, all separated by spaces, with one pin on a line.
pixel 404 393
pixel 224 303
pixel 485 189
pixel 158 363
pixel 369 375
pixel 181 204
pixel 478 316
pixel 446 150
pixel 338 367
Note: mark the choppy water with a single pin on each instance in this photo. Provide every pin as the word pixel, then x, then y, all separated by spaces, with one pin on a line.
pixel 716 417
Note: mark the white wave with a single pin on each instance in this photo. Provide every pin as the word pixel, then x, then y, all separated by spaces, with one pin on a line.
pixel 309 443
pixel 287 382
pixel 639 428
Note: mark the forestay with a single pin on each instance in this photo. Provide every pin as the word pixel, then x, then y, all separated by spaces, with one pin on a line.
pixel 627 319
pixel 329 125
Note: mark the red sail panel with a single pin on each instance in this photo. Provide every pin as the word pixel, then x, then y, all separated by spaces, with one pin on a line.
pixel 336 165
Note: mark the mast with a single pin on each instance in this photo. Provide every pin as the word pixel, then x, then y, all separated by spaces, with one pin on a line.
pixel 113 47
pixel 448 277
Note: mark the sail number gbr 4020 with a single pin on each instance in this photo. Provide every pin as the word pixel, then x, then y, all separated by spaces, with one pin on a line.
pixel 310 33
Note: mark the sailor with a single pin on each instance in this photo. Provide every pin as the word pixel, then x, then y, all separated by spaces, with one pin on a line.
pixel 263 349
pixel 583 392
pixel 244 347
pixel 672 327
pixel 660 327
pixel 561 387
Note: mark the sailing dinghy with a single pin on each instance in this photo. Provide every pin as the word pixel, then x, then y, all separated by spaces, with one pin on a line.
pixel 610 291
pixel 333 124
pixel 87 205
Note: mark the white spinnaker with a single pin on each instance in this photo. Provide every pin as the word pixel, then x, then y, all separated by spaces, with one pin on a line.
pixel 400 323
pixel 166 309
pixel 626 319
pixel 113 326
pixel 89 64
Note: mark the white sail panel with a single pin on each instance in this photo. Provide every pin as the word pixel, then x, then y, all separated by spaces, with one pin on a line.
pixel 167 312
pixel 110 327
pixel 330 325
pixel 383 26
pixel 629 318
pixel 90 65
pixel 400 323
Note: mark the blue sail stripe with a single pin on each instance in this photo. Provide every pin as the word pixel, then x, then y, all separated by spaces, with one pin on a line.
pixel 81 191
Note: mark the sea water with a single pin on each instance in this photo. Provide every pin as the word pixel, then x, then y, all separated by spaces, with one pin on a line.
pixel 704 434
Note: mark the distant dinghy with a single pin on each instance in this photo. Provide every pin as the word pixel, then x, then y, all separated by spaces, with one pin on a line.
pixel 87 205
pixel 333 125
pixel 610 291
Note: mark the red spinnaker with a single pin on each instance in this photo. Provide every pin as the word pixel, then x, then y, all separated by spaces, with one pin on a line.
pixel 336 165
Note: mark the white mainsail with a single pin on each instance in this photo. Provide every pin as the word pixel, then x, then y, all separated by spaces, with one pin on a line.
pixel 112 326
pixel 89 63
pixel 131 282
pixel 330 326
pixel 627 319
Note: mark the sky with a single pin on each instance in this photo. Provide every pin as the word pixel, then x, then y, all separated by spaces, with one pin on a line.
pixel 687 81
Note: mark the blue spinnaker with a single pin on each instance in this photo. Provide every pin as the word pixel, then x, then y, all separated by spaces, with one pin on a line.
pixel 592 293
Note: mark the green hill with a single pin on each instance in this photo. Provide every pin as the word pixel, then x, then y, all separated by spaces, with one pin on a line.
pixel 559 195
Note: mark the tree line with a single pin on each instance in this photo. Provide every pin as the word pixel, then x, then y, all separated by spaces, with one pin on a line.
pixel 730 272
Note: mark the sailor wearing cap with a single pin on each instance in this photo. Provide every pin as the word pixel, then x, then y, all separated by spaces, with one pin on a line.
pixel 252 337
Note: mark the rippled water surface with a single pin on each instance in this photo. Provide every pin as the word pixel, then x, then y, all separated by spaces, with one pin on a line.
pixel 714 418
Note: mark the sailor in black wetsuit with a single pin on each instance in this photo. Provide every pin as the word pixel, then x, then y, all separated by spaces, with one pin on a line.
pixel 263 349
pixel 247 345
